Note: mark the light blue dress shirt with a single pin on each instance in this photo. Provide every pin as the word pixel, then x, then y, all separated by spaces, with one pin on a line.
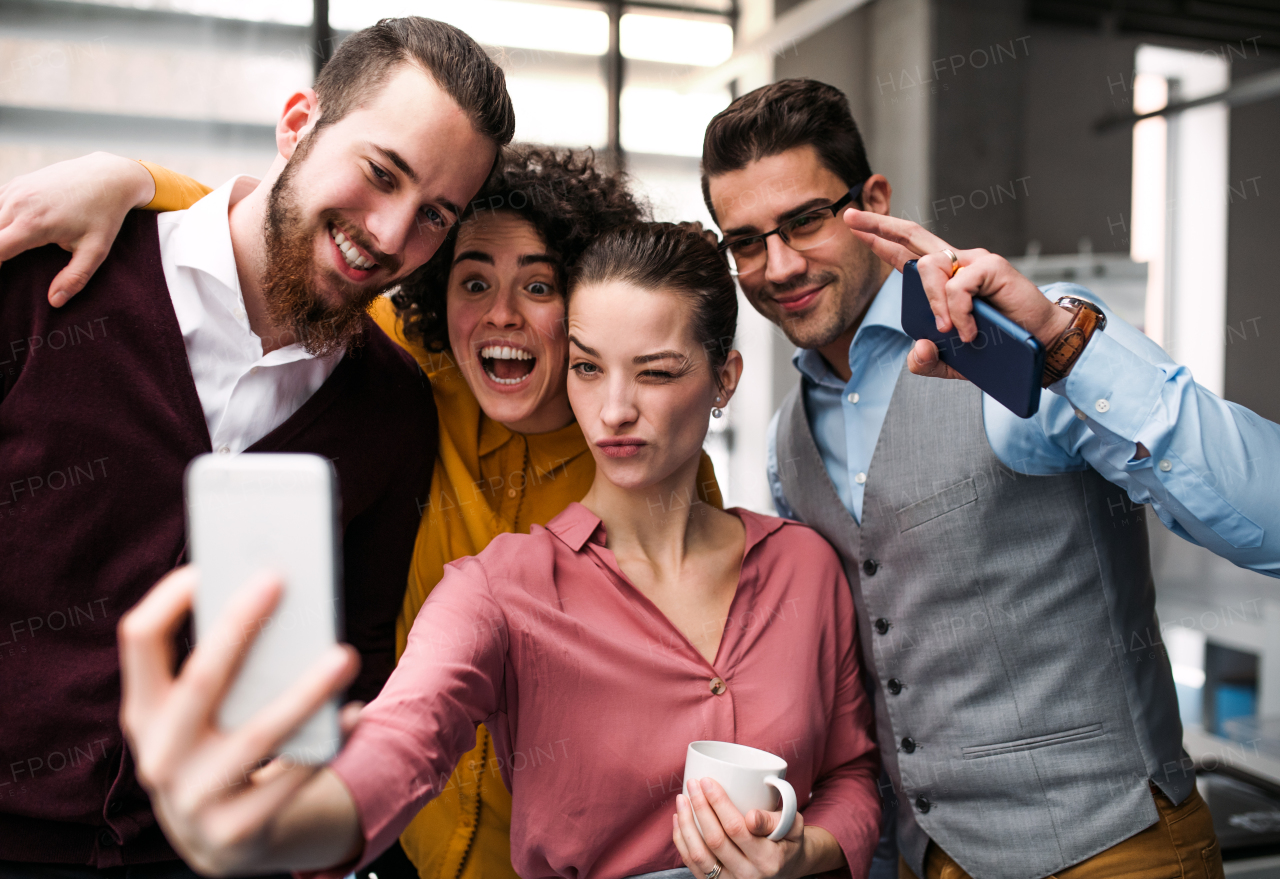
pixel 1214 468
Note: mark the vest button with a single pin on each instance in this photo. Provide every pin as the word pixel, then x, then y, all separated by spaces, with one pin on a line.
pixel 882 625
pixel 106 837
pixel 923 805
pixel 870 566
pixel 909 745
pixel 115 807
pixel 717 686
pixel 895 686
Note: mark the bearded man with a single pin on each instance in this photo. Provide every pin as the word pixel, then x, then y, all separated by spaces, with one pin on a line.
pixel 237 325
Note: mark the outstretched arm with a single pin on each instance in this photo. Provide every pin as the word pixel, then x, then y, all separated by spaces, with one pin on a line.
pixel 79 205
pixel 1207 466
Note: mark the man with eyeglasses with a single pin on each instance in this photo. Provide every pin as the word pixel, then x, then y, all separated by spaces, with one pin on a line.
pixel 1025 707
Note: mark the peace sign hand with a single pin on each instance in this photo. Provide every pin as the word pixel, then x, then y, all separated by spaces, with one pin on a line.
pixel 981 274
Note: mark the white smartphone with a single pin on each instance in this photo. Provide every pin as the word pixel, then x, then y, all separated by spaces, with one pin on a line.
pixel 251 513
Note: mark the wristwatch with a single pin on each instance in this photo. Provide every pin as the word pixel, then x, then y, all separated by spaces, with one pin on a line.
pixel 1063 352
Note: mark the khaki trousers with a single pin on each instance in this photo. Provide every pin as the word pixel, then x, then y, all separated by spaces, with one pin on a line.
pixel 1180 845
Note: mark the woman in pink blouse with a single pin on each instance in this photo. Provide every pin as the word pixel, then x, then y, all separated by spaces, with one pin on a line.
pixel 595 649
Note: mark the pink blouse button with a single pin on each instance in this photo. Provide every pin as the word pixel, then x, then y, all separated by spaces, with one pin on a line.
pixel 717 686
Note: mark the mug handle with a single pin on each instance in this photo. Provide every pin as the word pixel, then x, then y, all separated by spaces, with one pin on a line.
pixel 788 806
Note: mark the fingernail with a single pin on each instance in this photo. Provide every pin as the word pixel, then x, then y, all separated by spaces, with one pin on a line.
pixel 938 321
pixel 57 299
pixel 705 784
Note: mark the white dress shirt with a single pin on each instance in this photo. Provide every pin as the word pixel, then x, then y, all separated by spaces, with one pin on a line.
pixel 244 393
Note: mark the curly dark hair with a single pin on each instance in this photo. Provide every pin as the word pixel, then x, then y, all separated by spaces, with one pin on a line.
pixel 567 199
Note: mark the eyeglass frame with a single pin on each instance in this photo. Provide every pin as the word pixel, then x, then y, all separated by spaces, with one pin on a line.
pixel 835 208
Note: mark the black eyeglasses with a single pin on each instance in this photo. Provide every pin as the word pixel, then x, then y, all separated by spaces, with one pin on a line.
pixel 812 228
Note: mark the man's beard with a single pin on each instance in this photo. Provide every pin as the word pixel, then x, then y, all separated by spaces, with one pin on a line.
pixel 294 306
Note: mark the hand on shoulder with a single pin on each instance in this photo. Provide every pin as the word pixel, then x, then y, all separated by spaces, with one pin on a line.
pixel 78 205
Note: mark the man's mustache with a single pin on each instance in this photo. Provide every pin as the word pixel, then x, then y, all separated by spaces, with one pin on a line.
pixel 804 281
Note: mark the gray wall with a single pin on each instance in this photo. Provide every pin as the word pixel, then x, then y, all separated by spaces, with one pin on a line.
pixel 1253 241
pixel 984 122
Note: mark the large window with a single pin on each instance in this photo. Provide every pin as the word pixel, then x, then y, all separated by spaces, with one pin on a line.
pixel 197 83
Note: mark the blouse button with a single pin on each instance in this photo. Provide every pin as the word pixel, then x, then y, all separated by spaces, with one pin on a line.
pixel 717 686
pixel 882 625
pixel 511 492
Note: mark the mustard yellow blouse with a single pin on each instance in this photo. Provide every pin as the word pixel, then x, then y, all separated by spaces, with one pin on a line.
pixel 488 480
pixel 174 191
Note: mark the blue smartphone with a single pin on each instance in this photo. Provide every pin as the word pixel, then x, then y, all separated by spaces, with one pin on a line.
pixel 1004 360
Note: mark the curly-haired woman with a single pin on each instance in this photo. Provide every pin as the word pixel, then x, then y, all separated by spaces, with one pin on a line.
pixel 486 320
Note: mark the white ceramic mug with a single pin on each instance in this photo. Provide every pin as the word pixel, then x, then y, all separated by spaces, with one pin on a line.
pixel 752 778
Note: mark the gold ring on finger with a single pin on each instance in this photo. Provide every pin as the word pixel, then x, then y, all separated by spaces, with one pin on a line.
pixel 715 871
pixel 955 261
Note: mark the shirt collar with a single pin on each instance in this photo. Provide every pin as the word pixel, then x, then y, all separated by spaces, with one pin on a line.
pixel 885 311
pixel 547 451
pixel 576 526
pixel 202 240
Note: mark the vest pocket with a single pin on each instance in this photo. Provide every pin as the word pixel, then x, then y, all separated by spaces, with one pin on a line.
pixel 932 507
pixel 1079 734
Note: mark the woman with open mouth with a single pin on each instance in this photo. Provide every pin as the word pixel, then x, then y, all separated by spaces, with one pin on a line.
pixel 487 323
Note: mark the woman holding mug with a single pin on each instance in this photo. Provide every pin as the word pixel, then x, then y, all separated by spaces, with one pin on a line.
pixel 595 649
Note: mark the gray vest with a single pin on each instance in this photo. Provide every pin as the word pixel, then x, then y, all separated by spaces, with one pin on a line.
pixel 1007 623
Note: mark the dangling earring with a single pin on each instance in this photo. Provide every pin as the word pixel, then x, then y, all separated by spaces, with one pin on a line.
pixel 716 412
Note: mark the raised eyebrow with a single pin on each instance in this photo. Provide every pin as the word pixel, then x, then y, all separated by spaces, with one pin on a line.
pixel 804 208
pixel 661 355
pixel 591 351
pixel 529 259
pixel 781 218
pixel 740 231
pixel 396 159
pixel 405 168
pixel 476 255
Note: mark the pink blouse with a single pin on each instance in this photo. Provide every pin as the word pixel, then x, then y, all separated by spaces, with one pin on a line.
pixel 592 697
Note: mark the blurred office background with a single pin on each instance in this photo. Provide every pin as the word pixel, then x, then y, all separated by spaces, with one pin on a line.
pixel 1129 145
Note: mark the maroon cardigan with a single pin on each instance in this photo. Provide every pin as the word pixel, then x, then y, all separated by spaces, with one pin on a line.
pixel 99 417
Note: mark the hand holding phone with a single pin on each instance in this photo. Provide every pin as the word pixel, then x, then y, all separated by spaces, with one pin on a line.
pixel 223 813
pixel 1001 358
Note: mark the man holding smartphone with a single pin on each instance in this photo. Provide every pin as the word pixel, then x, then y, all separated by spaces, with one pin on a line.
pixel 237 325
pixel 1027 722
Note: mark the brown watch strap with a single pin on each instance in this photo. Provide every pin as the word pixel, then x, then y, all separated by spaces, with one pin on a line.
pixel 1065 350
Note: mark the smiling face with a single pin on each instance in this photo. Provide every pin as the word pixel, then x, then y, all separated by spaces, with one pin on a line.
pixel 640 382
pixel 815 296
pixel 506 322
pixel 364 202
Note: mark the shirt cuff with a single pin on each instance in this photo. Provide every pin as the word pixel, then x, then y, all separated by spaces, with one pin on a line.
pixel 1114 388
pixel 857 832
